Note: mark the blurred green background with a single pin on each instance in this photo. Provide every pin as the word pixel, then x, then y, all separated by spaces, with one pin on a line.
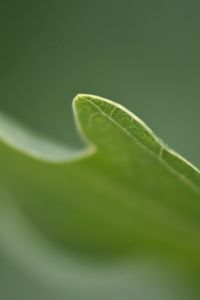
pixel 143 54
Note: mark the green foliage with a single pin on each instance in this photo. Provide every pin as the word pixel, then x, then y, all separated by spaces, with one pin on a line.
pixel 84 218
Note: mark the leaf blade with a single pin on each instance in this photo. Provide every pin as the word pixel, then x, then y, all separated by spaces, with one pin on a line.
pixel 132 196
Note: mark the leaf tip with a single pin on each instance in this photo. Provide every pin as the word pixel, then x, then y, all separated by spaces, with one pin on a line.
pixel 79 97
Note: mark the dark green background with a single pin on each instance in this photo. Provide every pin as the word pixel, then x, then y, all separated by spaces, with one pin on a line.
pixel 143 54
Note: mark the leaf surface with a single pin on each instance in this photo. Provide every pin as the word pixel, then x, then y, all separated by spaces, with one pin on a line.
pixel 123 197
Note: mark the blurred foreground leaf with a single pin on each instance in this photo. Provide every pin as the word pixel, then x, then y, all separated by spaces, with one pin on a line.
pixel 84 219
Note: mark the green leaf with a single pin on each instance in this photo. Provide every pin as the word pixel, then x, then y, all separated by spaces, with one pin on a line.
pixel 86 216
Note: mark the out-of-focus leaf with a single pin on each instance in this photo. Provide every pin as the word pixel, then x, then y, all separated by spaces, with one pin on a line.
pixel 83 219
